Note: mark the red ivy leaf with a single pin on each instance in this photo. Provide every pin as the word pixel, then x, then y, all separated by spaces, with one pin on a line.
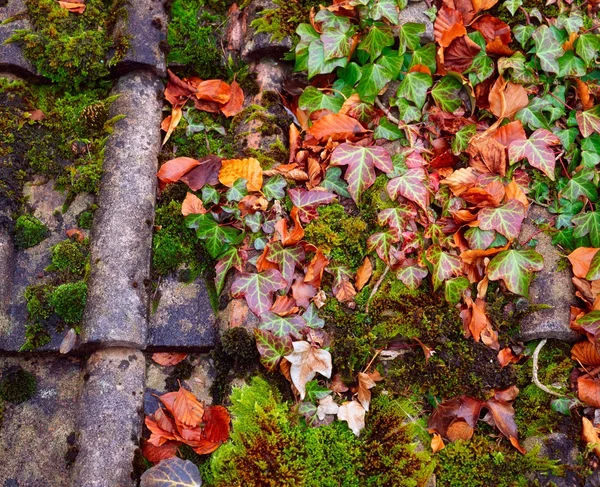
pixel 412 276
pixel 287 258
pixel 412 186
pixel 381 243
pixel 514 267
pixel 258 289
pixel 537 150
pixel 506 219
pixel 307 201
pixel 282 326
pixel 396 218
pixel 445 265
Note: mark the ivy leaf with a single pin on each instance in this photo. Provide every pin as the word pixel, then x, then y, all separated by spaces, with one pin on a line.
pixel 258 289
pixel 461 139
pixel 217 237
pixel 387 130
pixel 396 218
pixel 385 9
pixel 271 348
pixel 308 201
pixel 581 184
pixel 515 268
pixel 589 121
pixel 337 43
pixel 537 150
pixel 308 35
pixel 409 35
pixel 412 276
pixel 210 195
pixel 594 271
pixel 454 289
pixel 333 182
pixel 588 224
pixel 479 239
pixel 425 56
pixel 512 6
pixel 316 62
pixel 306 361
pixel 229 259
pixel 287 258
pixel 523 34
pixel 445 265
pixel 238 190
pixel 412 185
pixel 572 22
pixel 376 40
pixel 381 242
pixel 505 219
pixel 587 47
pixel 374 78
pixel 446 93
pixel 311 317
pixel 315 392
pixel 547 48
pixel 172 472
pixel 571 65
pixel 314 99
pixel 533 116
pixel 273 189
pixel 361 162
pixel 408 112
pixel 282 326
pixel 414 87
pixel 517 68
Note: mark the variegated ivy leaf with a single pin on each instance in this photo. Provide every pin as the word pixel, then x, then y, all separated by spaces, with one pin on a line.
pixel 217 238
pixel 587 47
pixel 589 121
pixel 272 348
pixel 517 68
pixel 231 258
pixel 396 218
pixel 374 78
pixel 588 224
pixel 515 268
pixel 594 271
pixel 311 317
pixel 237 191
pixel 590 322
pixel 505 219
pixel 308 201
pixel 454 289
pixel 425 56
pixel 381 243
pixel 512 5
pixel 209 195
pixel 479 239
pixel 254 221
pixel 414 87
pixel 315 392
pixel 581 184
pixel 316 62
pixel 282 326
pixel 571 65
pixel 461 139
pixel 412 185
pixel 361 162
pixel 172 472
pixel 287 258
pixel 258 289
pixel 445 265
pixel 385 9
pixel 313 99
pixel 537 150
pixel 547 48
pixel 337 42
pixel 572 22
pixel 408 112
pixel 412 276
pixel 307 36
pixel 446 93
pixel 333 182
pixel 409 35
pixel 376 40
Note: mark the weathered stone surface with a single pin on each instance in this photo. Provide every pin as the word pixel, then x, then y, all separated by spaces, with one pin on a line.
pixel 11 56
pixel 28 265
pixel 236 314
pixel 146 26
pixel 260 45
pixel 550 287
pixel 110 418
pixel 37 436
pixel 184 317
pixel 158 378
pixel 560 447
pixel 117 305
pixel 415 12
pixel 6 275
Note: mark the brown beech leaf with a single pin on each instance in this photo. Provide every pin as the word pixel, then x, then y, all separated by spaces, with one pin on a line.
pixel 588 390
pixel 506 356
pixel 177 91
pixel 507 98
pixel 461 180
pixel 504 418
pixel 186 408
pixel 462 408
pixel 487 156
pixel 293 236
pixel 161 428
pixel 364 273
pixel 580 259
pixel 192 205
pixel 354 414
pixel 479 319
pixel 216 424
pixel 491 28
pixel 314 271
pixel 583 92
pixel 448 26
pixel 590 435
pixel 337 384
pixel 214 90
pixel 284 306
pixel 75 232
pixel 509 133
pixel 437 443
pixel 515 192
pixel 586 353
pixel 171 171
pixel 303 292
pixel 236 101
pixel 336 127
pixel 155 454
pixel 498 48
pixel 459 55
pixel 459 430
pixel 170 123
pixel 479 5
pixel 344 291
pixel 73 7
pixel 249 169
pixel 207 172
pixel 306 361
pixel 365 383
pixel 168 358
pixel 252 203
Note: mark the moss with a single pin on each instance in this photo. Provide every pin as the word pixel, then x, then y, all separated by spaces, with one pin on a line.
pixel 72 49
pixel 37 298
pixel 29 231
pixel 36 336
pixel 69 257
pixel 181 372
pixel 192 40
pixel 85 220
pixel 17 385
pixel 68 301
pixel 343 238
pixel 283 20
pixel 481 462
pixel 168 254
pixel 501 12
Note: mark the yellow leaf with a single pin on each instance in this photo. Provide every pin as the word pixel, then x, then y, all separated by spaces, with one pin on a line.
pixel 170 123
pixel 249 169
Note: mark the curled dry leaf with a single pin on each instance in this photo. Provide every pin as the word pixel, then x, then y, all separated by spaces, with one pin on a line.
pixel 186 408
pixel 364 273
pixel 336 127
pixel 168 358
pixel 588 390
pixel 192 205
pixel 236 101
pixel 155 454
pixel 306 362
pixel 74 7
pixel 590 435
pixel 354 414
pixel 506 356
pixel 326 406
pixel 581 259
pixel 75 232
pixel 507 98
pixel 171 171
pixel 170 123
pixel 365 383
pixel 437 443
pixel 248 169
pixel 459 430
pixel 586 353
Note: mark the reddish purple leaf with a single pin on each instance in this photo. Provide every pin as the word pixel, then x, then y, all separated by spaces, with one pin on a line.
pixel 381 243
pixel 361 162
pixel 308 201
pixel 396 218
pixel 272 348
pixel 537 150
pixel 282 326
pixel 445 265
pixel 412 185
pixel 206 173
pixel 506 219
pixel 258 289
pixel 412 276
pixel 287 258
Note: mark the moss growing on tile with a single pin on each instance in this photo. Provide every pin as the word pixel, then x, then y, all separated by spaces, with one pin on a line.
pixel 17 385
pixel 69 257
pixel 29 231
pixel 68 301
pixel 282 21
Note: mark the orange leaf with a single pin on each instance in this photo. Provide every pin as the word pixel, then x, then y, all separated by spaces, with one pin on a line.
pixel 295 235
pixel 314 271
pixel 170 123
pixel 171 171
pixel 588 390
pixel 204 447
pixel 216 424
pixel 510 133
pixel 569 44
pixel 590 435
pixel 506 356
pixel 187 409
pixel 155 454
pixel 586 353
pixel 168 358
pixel 487 156
pixel 461 180
pixel 236 102
pixel 214 90
pixel 583 92
pixel 364 273
pixel 515 192
pixel 192 205
pixel 581 259
pixel 336 126
pixel 249 169
pixel 365 383
pixel 75 232
pixel 459 430
pixel 448 26
pixel 75 7
pixel 507 98
pixel 437 443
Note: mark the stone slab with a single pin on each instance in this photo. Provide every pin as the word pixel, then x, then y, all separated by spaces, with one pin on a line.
pixel 415 12
pixel 28 265
pixel 37 436
pixel 550 287
pixel 110 418
pixel 184 317
pixel 11 56
pixel 146 27
pixel 117 307
pixel 260 45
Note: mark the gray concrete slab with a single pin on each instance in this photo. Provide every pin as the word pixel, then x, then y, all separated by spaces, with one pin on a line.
pixel 11 56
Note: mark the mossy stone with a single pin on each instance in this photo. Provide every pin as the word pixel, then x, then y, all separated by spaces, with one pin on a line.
pixel 17 385
pixel 29 231
pixel 68 301
pixel 69 257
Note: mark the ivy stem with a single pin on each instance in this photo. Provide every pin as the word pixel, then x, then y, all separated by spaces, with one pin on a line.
pixel 559 100
pixel 388 114
pixel 527 18
pixel 530 238
pixel 534 374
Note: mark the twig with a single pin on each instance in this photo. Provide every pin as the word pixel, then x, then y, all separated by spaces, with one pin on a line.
pixel 536 381
pixel 376 287
pixel 388 114
pixel 372 360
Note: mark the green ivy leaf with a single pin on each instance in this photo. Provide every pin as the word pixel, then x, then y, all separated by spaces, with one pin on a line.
pixel 517 69
pixel 387 130
pixel 237 191
pixel 588 224
pixel 587 47
pixel 515 268
pixel 479 239
pixel 274 187
pixel 229 259
pixel 412 276
pixel 572 22
pixel 311 317
pixel 523 34
pixel 385 9
pixel 282 326
pixel 210 195
pixel 217 237
pixel 315 392
pixel 377 38
pixel 533 116
pixel 317 64
pixel 337 43
pixel 512 6
pixel 445 265
pixel 594 271
pixel 425 56
pixel 314 99
pixel 446 93
pixel 548 49
pixel 414 87
pixel 461 139
pixel 581 184
pixel 481 68
pixel 409 36
pixel 307 36
pixel 454 289
pixel 571 65
pixel 333 182
pixel 374 78
pixel 408 112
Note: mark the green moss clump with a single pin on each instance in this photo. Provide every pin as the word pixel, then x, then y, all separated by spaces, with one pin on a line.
pixel 481 461
pixel 68 301
pixel 17 385
pixel 70 258
pixel 72 49
pixel 37 298
pixel 192 40
pixel 168 253
pixel 283 20
pixel 343 238
pixel 36 336
pixel 181 372
pixel 85 220
pixel 29 231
